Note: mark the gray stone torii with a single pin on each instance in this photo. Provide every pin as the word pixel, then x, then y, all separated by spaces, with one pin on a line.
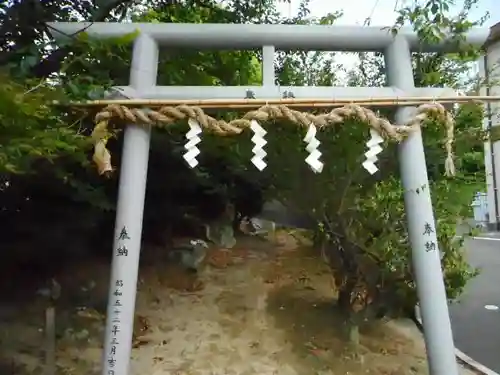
pixel 143 75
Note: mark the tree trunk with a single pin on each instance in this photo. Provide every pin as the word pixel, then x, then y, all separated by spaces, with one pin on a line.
pixel 351 328
pixel 50 340
pixel 344 301
pixel 352 332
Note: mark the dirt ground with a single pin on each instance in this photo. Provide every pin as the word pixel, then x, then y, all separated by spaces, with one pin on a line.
pixel 262 308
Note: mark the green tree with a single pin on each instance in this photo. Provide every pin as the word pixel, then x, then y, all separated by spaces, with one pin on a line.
pixel 47 153
pixel 362 231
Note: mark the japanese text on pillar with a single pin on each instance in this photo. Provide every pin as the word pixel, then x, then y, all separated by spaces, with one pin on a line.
pixel 117 305
pixel 428 231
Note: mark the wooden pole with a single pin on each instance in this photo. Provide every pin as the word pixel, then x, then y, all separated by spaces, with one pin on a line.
pixel 303 103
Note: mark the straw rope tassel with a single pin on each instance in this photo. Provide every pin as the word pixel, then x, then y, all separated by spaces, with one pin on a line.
pixel 101 157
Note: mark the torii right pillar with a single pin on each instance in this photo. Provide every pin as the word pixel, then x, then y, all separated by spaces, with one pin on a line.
pixel 489 70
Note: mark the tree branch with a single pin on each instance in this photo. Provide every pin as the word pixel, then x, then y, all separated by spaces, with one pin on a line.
pixel 53 62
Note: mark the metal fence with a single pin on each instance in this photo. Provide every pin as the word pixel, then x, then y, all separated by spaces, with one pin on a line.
pixel 480 208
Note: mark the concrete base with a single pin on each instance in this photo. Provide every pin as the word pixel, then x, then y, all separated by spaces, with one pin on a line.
pixel 285 217
pixel 467 225
pixel 493 227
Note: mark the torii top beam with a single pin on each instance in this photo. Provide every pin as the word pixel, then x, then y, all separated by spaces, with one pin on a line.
pixel 248 36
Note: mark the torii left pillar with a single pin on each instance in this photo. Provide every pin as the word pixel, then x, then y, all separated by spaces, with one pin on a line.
pixel 129 214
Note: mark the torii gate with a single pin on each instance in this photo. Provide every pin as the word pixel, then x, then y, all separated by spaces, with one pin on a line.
pixel 132 185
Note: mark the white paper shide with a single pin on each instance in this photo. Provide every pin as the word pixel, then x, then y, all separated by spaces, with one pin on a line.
pixel 374 149
pixel 193 139
pixel 259 142
pixel 312 148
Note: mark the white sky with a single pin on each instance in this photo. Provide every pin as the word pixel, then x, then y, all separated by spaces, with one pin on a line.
pixel 381 12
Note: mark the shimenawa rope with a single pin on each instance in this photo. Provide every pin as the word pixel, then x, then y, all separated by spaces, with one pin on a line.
pixel 167 115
